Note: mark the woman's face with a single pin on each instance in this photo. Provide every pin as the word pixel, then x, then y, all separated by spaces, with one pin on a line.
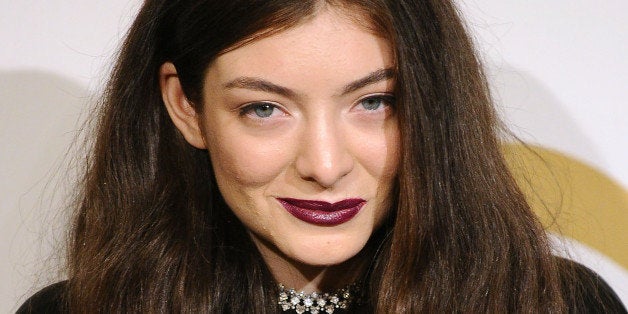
pixel 303 138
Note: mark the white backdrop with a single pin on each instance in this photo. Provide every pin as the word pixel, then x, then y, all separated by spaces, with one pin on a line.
pixel 560 71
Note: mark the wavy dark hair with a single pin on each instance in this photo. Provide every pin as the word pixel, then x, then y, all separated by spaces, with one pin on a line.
pixel 153 234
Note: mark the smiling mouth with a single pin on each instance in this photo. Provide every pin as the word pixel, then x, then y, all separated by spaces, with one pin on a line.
pixel 322 213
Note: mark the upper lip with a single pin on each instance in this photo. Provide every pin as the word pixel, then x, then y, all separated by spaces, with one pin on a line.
pixel 323 205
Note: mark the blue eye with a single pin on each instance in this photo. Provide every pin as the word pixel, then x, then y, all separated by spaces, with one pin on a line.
pixel 259 110
pixel 377 102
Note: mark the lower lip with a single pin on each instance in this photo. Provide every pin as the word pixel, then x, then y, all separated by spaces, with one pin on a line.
pixel 320 217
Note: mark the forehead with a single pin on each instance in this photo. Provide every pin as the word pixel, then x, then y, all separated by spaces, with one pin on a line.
pixel 330 46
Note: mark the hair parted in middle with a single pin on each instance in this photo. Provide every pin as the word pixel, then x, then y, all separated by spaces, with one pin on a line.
pixel 152 233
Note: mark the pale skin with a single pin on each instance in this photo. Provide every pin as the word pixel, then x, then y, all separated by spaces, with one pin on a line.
pixel 305 113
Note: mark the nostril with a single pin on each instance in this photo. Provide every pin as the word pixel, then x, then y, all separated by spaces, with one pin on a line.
pixel 324 156
pixel 324 169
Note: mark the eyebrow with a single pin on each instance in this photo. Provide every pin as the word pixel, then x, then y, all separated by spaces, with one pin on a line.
pixel 372 78
pixel 258 84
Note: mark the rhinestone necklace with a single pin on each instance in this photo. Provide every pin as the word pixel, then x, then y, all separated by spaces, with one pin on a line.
pixel 316 303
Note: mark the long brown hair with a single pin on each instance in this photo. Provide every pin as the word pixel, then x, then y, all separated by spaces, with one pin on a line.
pixel 152 233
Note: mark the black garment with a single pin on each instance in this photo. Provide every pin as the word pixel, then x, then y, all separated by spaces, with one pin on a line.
pixel 585 291
pixel 48 300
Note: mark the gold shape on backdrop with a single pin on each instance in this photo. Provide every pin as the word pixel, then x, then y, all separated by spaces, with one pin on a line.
pixel 572 198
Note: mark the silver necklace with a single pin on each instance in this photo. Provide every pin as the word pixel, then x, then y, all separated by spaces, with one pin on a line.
pixel 316 303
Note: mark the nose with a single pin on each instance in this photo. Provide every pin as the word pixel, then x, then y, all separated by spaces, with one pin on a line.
pixel 324 156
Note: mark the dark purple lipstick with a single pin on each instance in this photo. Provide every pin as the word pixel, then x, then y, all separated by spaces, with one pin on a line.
pixel 323 213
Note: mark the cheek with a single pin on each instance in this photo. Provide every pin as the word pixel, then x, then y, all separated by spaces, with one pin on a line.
pixel 246 162
pixel 379 152
pixel 392 152
pixel 244 169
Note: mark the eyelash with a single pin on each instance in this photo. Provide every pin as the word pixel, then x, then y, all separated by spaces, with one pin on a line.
pixel 384 99
pixel 250 109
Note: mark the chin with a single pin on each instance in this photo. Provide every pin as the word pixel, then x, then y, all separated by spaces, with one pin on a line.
pixel 327 253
